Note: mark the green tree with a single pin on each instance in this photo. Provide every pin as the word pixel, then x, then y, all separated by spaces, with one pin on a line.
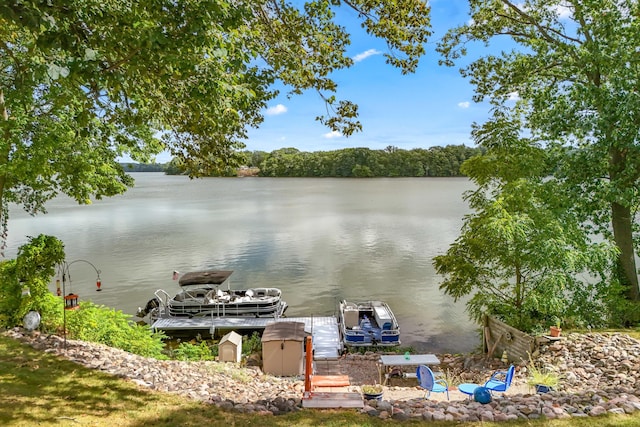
pixel 520 251
pixel 256 158
pixel 575 71
pixel 174 167
pixel 282 162
pixel 360 171
pixel 85 82
pixel 31 270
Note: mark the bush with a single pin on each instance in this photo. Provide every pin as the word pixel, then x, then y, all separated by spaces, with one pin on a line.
pixel 195 352
pixel 113 328
pixel 252 344
pixel 32 269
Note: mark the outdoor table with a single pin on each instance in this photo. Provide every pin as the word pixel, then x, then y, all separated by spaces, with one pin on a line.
pixel 468 388
pixel 387 361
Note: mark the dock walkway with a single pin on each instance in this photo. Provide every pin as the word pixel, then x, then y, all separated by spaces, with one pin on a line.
pixel 324 329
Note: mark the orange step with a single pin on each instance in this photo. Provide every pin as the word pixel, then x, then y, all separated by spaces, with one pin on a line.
pixel 329 381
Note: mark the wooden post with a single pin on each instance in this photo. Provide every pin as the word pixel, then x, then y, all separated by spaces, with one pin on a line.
pixel 309 365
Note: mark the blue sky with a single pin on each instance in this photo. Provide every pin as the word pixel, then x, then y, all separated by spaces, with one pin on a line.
pixel 432 107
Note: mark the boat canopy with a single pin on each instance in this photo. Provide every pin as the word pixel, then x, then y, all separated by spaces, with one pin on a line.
pixel 208 277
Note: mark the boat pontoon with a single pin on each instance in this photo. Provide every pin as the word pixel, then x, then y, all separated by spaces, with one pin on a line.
pixel 201 295
pixel 370 323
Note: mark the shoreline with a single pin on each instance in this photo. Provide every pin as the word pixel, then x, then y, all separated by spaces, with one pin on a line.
pixel 601 374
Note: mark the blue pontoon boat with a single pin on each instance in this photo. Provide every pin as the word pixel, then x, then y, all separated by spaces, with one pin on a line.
pixel 369 323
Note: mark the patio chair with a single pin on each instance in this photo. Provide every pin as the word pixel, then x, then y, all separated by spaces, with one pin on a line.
pixel 500 381
pixel 430 383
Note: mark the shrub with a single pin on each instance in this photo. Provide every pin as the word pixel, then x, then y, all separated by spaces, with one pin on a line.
pixel 32 269
pixel 194 352
pixel 252 344
pixel 113 328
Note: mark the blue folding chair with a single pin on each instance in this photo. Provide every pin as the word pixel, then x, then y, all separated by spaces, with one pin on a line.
pixel 500 381
pixel 427 381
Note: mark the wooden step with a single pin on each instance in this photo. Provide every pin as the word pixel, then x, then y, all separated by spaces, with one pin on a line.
pixel 315 399
pixel 329 381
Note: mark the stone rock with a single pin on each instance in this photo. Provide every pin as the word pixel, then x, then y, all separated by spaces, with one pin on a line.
pixel 601 373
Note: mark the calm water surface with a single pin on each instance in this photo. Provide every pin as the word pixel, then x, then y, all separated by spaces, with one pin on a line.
pixel 319 240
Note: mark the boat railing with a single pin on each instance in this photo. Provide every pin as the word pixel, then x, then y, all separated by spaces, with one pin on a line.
pixel 163 298
pixel 356 331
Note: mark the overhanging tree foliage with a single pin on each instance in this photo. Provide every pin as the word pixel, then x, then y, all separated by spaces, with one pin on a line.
pixel 85 81
pixel 576 72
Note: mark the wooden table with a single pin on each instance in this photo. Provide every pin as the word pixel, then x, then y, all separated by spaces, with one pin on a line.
pixel 386 362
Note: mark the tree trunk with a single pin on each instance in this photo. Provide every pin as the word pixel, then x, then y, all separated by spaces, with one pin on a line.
pixel 622 234
pixel 4 159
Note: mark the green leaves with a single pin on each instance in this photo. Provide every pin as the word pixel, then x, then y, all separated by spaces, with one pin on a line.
pixel 403 24
pixel 573 65
pixel 85 82
pixel 522 252
pixel 113 328
pixel 33 268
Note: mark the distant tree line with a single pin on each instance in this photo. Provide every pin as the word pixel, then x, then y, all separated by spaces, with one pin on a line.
pixel 350 162
pixel 144 167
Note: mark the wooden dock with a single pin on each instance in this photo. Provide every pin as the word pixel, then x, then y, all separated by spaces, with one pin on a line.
pixel 327 344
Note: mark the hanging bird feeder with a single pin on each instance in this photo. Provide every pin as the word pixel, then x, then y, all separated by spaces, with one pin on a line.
pixel 71 299
pixel 71 302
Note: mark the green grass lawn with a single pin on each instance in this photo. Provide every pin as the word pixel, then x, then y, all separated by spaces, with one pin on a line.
pixel 39 389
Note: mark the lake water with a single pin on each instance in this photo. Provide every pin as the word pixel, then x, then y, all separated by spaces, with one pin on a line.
pixel 319 240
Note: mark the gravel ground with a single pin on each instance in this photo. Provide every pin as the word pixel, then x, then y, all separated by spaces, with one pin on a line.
pixel 363 369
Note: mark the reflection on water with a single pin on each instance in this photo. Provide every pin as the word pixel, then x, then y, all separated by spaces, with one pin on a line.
pixel 319 240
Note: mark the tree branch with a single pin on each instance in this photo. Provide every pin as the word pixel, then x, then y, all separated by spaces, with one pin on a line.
pixel 543 30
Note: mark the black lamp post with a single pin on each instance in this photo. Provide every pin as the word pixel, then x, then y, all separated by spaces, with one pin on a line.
pixel 71 300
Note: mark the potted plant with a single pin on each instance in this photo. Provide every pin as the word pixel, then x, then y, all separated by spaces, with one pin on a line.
pixel 555 330
pixel 372 391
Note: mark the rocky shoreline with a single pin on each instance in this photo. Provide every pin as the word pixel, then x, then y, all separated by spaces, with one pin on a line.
pixel 600 374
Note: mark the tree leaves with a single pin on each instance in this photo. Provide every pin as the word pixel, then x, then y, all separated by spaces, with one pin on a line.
pixel 86 81
pixel 33 267
pixel 573 64
pixel 522 250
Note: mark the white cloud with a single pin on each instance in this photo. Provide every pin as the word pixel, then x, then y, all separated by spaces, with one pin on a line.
pixel 464 104
pixel 276 110
pixel 364 55
pixel 563 12
pixel 332 134
pixel 513 96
